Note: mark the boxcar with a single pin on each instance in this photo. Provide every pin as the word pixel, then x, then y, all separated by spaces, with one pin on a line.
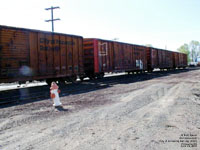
pixel 102 56
pixel 159 58
pixel 180 60
pixel 37 55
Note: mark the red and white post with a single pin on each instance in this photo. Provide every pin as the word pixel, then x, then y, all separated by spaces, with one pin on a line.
pixel 54 92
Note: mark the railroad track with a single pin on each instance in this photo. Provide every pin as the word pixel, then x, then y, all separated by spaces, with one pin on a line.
pixel 20 98
pixel 81 87
pixel 45 94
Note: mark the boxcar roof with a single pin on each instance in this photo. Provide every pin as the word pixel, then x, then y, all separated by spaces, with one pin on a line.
pixel 133 44
pixel 114 41
pixel 34 30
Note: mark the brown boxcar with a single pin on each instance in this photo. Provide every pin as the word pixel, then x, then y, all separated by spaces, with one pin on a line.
pixel 102 56
pixel 185 60
pixel 159 58
pixel 176 59
pixel 180 60
pixel 36 55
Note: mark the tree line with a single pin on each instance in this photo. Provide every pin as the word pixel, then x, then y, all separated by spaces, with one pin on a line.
pixel 192 50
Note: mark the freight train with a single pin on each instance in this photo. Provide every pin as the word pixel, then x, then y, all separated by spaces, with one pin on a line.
pixel 27 55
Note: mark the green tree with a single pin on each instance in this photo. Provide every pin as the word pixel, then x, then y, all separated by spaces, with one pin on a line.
pixel 185 49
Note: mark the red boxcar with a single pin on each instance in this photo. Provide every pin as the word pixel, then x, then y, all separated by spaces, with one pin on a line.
pixel 102 56
pixel 36 55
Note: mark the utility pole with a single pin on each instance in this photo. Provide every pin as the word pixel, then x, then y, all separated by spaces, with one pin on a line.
pixel 52 20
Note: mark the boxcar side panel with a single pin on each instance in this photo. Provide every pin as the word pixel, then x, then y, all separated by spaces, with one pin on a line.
pixel 96 56
pixel 49 45
pixel 14 54
pixel 69 56
pixel 63 53
pixel 56 54
pixel 154 58
pixel 141 57
pixel 116 57
pixel 42 54
pixel 89 54
pixel 80 56
pixel 34 65
pixel 126 57
pixel 31 55
pixel 185 61
pixel 110 56
pixel 176 59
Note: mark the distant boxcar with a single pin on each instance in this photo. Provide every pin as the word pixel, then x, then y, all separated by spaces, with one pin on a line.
pixel 180 60
pixel 159 58
pixel 37 55
pixel 102 56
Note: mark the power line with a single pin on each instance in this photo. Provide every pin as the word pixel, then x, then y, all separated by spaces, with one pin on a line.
pixel 52 20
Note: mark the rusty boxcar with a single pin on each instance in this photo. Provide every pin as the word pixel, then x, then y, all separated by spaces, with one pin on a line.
pixel 27 54
pixel 180 60
pixel 159 58
pixel 102 56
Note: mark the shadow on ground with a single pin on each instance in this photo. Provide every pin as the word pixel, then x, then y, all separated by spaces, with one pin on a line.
pixel 32 94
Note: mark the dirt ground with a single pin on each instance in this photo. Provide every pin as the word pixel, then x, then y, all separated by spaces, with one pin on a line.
pixel 145 113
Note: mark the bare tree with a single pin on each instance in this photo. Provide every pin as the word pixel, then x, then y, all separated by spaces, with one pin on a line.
pixel 194 49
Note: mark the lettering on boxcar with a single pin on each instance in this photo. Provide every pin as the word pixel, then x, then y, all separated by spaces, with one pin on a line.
pixel 48 48
pixel 46 41
pixel 56 48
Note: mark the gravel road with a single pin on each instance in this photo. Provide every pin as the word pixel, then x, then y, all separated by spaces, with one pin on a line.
pixel 150 113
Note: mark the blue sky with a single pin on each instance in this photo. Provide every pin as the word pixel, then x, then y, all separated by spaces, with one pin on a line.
pixel 162 23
